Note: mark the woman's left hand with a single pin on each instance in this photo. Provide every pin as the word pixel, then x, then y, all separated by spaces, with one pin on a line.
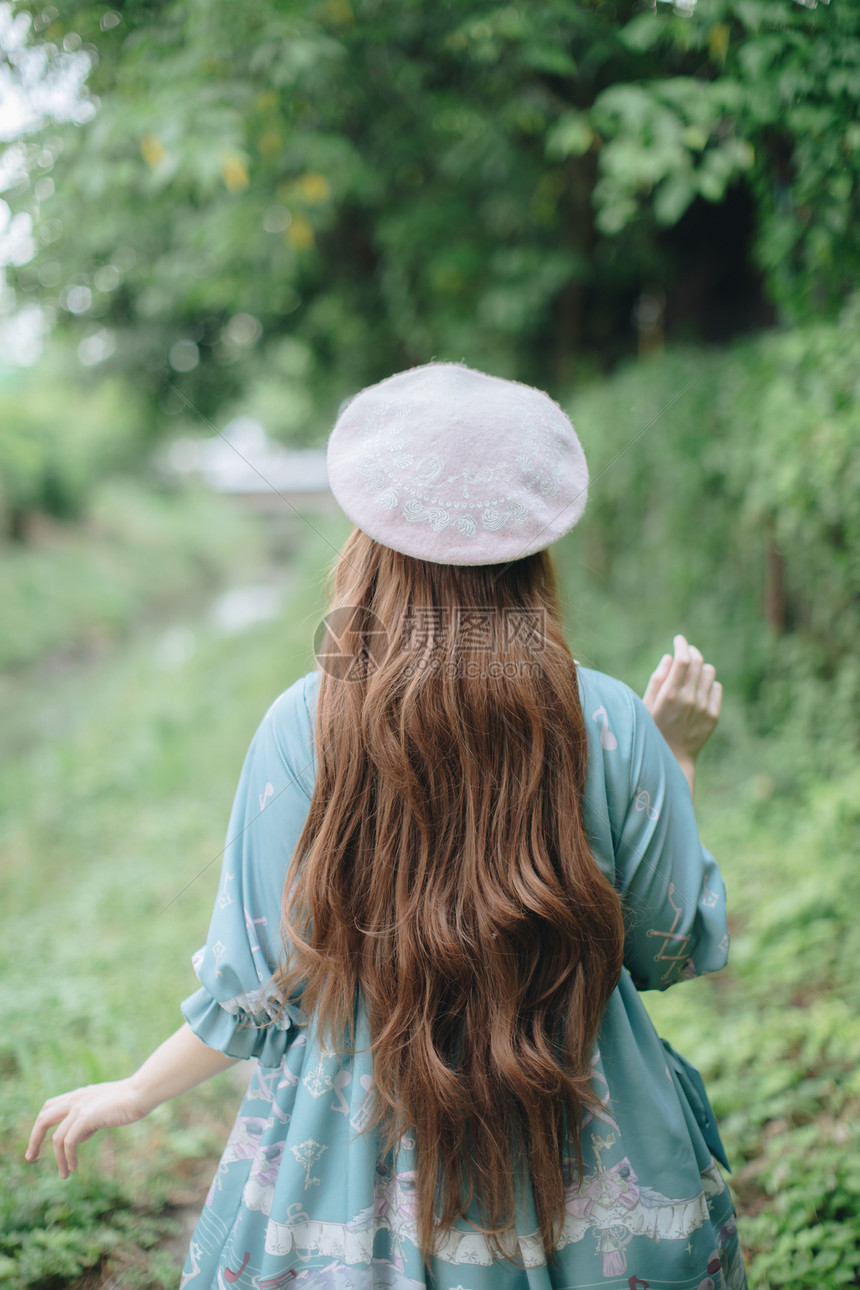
pixel 684 698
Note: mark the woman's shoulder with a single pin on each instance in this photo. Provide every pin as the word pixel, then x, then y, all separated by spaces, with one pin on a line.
pixel 617 721
pixel 296 702
pixel 599 690
pixel 288 726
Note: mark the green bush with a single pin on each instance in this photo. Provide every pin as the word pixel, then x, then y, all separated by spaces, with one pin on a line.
pixel 725 498
pixel 59 436
pixel 51 1232
pixel 775 1035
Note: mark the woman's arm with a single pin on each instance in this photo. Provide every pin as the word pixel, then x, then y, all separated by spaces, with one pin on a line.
pixel 179 1064
pixel 684 699
pixel 672 894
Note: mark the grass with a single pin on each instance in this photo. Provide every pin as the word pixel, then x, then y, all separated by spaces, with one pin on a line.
pixel 73 588
pixel 111 827
pixel 114 802
pixel 776 1035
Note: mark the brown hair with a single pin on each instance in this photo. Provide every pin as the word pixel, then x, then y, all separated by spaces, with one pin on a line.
pixel 444 872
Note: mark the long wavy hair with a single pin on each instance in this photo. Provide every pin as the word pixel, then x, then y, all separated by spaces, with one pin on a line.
pixel 444 875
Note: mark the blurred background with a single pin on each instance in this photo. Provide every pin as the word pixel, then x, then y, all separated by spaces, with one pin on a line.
pixel 217 222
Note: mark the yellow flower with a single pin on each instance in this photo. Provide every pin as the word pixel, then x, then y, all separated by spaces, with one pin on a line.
pixel 340 11
pixel 270 143
pixel 299 234
pixel 153 150
pixel 234 172
pixel 718 42
pixel 314 188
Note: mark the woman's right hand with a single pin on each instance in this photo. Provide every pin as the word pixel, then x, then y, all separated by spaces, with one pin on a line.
pixel 182 1062
pixel 82 1113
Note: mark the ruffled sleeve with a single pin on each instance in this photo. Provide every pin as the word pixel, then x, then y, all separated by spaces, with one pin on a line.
pixel 237 1009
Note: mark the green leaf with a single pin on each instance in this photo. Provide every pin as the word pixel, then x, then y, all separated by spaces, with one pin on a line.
pixel 644 32
pixel 544 58
pixel 571 136
pixel 672 198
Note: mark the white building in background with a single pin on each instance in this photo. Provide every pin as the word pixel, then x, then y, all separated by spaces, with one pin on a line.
pixel 242 460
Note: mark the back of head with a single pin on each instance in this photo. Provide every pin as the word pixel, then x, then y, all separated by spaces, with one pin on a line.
pixel 444 874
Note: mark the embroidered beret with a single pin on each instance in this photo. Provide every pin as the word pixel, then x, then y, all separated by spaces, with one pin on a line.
pixel 450 465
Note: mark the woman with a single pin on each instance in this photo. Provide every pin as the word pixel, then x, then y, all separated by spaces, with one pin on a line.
pixel 454 858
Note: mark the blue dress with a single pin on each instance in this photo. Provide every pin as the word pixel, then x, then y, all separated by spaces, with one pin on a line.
pixel 302 1200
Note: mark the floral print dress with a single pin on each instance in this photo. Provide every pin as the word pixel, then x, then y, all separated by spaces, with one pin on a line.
pixel 303 1200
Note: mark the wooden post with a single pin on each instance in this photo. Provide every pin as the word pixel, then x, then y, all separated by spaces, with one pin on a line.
pixel 774 586
pixel 650 315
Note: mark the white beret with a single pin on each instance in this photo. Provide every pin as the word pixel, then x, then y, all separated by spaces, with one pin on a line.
pixel 447 464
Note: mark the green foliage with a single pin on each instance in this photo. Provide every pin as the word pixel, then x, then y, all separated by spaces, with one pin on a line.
pixel 53 1232
pixel 775 1036
pixel 807 1234
pixel 759 90
pixel 668 140
pixel 380 185
pixel 59 437
pixel 108 888
pixel 73 589
pixel 725 496
pixel 704 466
